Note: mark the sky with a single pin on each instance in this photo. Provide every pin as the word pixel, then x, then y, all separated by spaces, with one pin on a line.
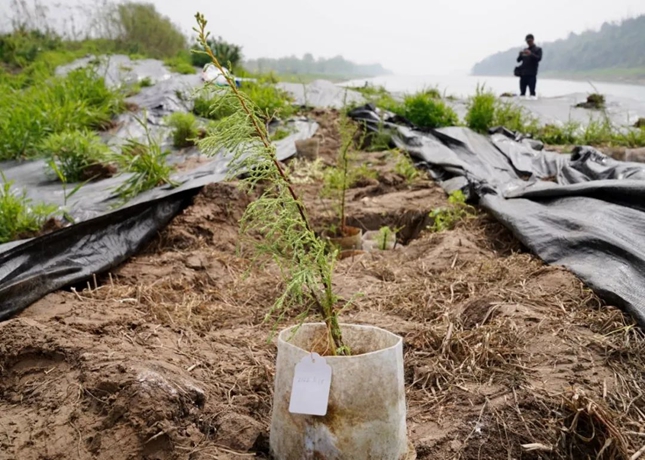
pixel 409 37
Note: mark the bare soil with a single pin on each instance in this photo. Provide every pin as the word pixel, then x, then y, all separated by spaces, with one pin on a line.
pixel 169 356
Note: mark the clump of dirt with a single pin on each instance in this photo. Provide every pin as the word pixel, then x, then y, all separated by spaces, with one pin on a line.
pixel 170 356
pixel 50 225
pixel 98 171
pixel 594 102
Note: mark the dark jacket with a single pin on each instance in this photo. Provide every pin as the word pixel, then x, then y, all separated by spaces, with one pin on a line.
pixel 531 62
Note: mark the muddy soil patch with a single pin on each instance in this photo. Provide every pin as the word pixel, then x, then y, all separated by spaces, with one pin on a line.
pixel 169 357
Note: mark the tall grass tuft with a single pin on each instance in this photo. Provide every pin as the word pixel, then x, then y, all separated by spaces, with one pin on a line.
pixel 481 110
pixel 73 154
pixel 184 129
pixel 147 162
pixel 79 100
pixel 425 110
pixel 19 215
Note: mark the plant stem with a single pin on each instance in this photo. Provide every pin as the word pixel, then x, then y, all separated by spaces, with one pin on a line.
pixel 260 132
pixel 327 306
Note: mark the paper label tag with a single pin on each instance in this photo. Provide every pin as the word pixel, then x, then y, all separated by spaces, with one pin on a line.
pixel 311 384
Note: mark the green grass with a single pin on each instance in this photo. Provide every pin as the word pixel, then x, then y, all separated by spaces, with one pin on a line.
pixel 184 129
pixel 70 154
pixel 280 134
pixel 566 134
pixel 481 110
pixel 179 64
pixel 447 218
pixel 20 217
pixel 425 110
pixel 147 162
pixel 405 167
pixel 77 101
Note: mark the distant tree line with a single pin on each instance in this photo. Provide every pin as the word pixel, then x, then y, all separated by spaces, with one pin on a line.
pixel 308 65
pixel 614 46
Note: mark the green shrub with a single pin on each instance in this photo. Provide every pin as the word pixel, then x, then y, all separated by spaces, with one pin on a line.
pixel 71 154
pixel 184 129
pixel 426 111
pixel 280 134
pixel 228 54
pixel 21 47
pixel 481 110
pixel 632 138
pixel 180 65
pixel 19 216
pixel 79 100
pixel 146 82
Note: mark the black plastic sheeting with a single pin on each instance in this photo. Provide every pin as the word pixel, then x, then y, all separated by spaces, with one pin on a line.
pixel 104 234
pixel 73 254
pixel 584 211
pixel 32 269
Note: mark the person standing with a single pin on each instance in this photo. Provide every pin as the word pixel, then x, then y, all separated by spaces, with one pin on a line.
pixel 530 62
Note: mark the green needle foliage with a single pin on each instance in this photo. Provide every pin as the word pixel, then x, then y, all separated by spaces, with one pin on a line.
pixel 278 215
pixel 71 154
pixel 341 177
pixel 19 216
pixel 384 237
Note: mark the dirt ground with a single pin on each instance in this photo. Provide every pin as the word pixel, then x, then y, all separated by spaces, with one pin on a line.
pixel 169 356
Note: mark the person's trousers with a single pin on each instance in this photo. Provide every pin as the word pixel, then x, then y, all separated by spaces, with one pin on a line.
pixel 528 81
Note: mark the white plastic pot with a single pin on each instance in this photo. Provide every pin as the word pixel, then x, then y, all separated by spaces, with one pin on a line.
pixel 366 412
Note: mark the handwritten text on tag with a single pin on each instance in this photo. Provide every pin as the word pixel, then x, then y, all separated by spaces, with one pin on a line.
pixel 311 384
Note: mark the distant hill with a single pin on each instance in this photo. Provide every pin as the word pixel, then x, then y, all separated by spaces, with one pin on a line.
pixel 308 65
pixel 616 51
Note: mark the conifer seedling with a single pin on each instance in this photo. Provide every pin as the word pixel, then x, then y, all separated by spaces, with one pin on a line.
pixel 278 215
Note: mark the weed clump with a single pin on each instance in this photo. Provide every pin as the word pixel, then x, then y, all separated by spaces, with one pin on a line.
pixel 425 110
pixel 19 215
pixel 446 218
pixel 179 65
pixel 405 167
pixel 481 110
pixel 75 155
pixel 594 101
pixel 147 162
pixel 184 129
pixel 78 101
